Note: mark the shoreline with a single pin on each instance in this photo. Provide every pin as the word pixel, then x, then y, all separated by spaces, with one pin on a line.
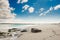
pixel 49 32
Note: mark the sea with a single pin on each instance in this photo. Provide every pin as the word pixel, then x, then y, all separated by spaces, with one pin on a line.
pixel 14 25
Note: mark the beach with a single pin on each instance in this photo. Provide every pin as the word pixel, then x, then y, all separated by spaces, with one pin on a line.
pixel 49 32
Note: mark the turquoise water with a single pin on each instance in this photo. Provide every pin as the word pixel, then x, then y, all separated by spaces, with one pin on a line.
pixel 20 25
pixel 16 25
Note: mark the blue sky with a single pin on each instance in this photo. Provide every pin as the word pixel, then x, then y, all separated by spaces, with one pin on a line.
pixel 40 10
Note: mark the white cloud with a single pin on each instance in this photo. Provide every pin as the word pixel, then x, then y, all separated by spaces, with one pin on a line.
pixel 57 7
pixel 41 14
pixel 18 1
pixel 22 1
pixel 31 10
pixel 5 10
pixel 11 8
pixel 41 9
pixel 49 10
pixel 46 12
pixel 25 7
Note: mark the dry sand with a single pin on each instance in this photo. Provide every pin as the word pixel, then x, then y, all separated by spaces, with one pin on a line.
pixel 49 32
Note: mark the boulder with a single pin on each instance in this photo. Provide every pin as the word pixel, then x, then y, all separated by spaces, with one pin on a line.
pixel 24 30
pixel 2 34
pixel 35 30
pixel 13 30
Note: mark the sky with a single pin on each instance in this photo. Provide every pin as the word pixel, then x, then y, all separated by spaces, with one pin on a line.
pixel 30 11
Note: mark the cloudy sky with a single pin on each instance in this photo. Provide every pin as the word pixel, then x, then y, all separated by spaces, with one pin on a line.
pixel 30 10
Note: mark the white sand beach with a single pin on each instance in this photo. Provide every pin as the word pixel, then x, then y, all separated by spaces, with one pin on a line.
pixel 49 32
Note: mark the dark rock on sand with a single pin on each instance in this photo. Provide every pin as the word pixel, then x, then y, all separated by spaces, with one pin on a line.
pixel 2 34
pixel 13 30
pixel 35 30
pixel 24 30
